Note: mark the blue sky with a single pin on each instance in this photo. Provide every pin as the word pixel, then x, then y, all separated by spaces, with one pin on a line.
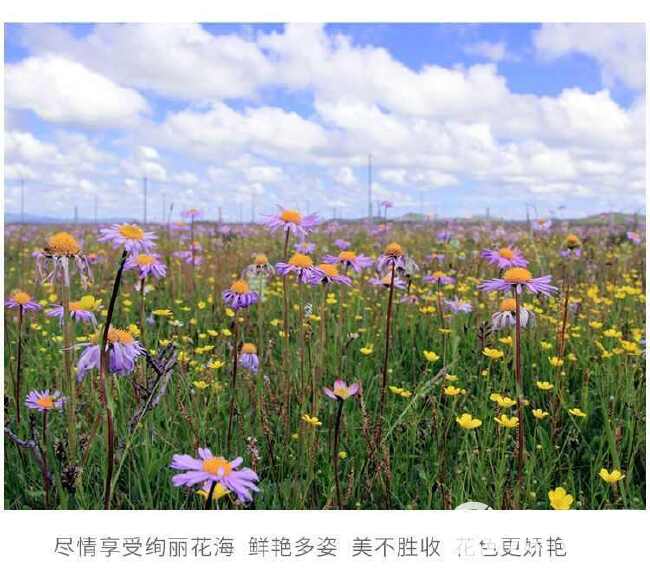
pixel 458 118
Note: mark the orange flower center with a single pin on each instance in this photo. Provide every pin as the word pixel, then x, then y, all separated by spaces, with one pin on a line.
pixel 240 287
pixel 117 335
pixel 517 275
pixel 439 274
pixel 329 269
pixel 506 252
pixel 21 297
pixel 214 465
pixel 393 249
pixel 508 305
pixel 291 216
pixel 144 260
pixel 74 306
pixel 249 348
pixel 572 241
pixel 301 260
pixel 131 232
pixel 46 402
pixel 261 259
pixel 347 255
pixel 62 244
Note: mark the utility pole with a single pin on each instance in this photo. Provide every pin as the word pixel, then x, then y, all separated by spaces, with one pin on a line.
pixel 220 216
pixel 22 201
pixel 252 207
pixel 370 189
pixel 164 207
pixel 76 215
pixel 144 191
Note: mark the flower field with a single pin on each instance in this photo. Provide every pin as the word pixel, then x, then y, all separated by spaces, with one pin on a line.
pixel 302 363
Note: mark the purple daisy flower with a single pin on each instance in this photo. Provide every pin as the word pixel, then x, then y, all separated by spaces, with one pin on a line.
pixel 292 220
pixel 505 257
pixel 207 467
pixel 634 237
pixel 304 247
pixel 131 237
pixel 329 273
pixel 248 357
pixel 542 225
pixel 302 266
pixel 457 306
pixel 123 350
pixel 385 282
pixel 77 312
pixel 239 295
pixel 43 401
pixel 519 278
pixel 439 277
pixel 349 259
pixel 393 256
pixel 192 214
pixel 341 390
pixel 342 244
pixel 56 257
pixel 146 265
pixel 21 300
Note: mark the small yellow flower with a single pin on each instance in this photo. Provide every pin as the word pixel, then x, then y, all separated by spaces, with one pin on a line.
pixel 226 332
pixel 502 401
pixel 611 477
pixel 452 390
pixel 555 361
pixel 343 454
pixel 507 421
pixel 468 422
pixel 216 364
pixel 544 385
pixel 560 499
pixel 201 385
pixel 163 313
pixel 367 350
pixel 545 345
pixel 219 491
pixel 431 356
pixel 506 340
pixel 311 420
pixel 577 412
pixel 451 378
pixel 399 391
pixel 493 353
pixel 540 414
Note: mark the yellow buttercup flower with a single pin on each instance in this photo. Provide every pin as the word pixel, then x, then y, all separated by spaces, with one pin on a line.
pixel 219 491
pixel 452 390
pixel 400 391
pixel 201 385
pixel 611 477
pixel 367 350
pixel 431 356
pixel 539 413
pixel 577 412
pixel 502 401
pixel 555 361
pixel 492 353
pixel 311 420
pixel 507 421
pixel 544 385
pixel 468 422
pixel 165 313
pixel 560 499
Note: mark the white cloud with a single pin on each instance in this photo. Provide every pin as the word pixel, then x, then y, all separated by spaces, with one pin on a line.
pixel 60 90
pixel 618 48
pixel 345 177
pixel 494 51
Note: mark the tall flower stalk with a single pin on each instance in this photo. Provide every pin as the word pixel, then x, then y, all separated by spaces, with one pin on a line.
pixel 70 387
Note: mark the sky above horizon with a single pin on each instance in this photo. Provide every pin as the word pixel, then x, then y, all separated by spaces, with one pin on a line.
pixel 458 118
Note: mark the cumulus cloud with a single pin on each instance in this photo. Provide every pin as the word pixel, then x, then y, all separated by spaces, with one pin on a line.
pixel 61 90
pixel 494 51
pixel 618 48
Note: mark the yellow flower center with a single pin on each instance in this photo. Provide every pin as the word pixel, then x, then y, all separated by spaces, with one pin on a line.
pixel 506 252
pixel 393 249
pixel 291 216
pixel 131 232
pixel 301 260
pixel 439 274
pixel 517 275
pixel 74 306
pixel 62 244
pixel 213 465
pixel 329 269
pixel 144 260
pixel 572 241
pixel 347 255
pixel 46 402
pixel 249 348
pixel 87 303
pixel 240 287
pixel 341 392
pixel 508 305
pixel 21 297
pixel 117 335
pixel 261 259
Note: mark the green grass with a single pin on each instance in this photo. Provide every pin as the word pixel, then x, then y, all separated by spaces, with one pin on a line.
pixel 425 460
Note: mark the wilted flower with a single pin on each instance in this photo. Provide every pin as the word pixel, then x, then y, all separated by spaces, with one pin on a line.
pixel 393 256
pixel 146 265
pixel 505 317
pixel 239 295
pixel 123 350
pixel 61 248
pixel 328 274
pixel 83 310
pixel 385 282
pixel 248 357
